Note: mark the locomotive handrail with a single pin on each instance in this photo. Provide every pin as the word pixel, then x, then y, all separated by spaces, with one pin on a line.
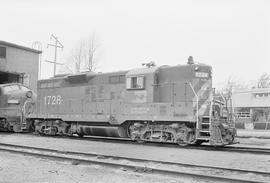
pixel 197 101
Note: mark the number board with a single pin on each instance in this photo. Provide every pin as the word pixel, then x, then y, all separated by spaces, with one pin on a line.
pixel 201 74
pixel 53 100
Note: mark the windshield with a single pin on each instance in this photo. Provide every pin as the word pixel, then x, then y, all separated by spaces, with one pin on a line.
pixel 10 89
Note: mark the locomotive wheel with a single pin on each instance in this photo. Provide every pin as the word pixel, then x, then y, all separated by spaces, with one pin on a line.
pixel 198 142
pixel 185 137
pixel 80 135
pixel 182 144
pixel 139 141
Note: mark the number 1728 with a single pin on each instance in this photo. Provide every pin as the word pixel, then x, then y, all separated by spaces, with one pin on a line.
pixel 53 100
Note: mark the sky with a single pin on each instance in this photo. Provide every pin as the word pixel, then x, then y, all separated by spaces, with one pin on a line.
pixel 233 36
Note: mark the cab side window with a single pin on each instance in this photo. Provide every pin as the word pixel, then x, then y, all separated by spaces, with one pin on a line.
pixel 135 82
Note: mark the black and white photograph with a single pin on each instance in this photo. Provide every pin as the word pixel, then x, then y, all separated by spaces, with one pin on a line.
pixel 135 91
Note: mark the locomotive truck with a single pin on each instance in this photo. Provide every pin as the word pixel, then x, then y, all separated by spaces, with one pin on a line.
pixel 161 104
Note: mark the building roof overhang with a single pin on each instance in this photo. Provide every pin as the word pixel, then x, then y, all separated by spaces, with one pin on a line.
pixel 4 43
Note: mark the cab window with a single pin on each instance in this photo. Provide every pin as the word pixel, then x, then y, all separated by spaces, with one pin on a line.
pixel 135 82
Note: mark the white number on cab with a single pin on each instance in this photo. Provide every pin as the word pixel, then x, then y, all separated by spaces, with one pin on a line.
pixel 53 100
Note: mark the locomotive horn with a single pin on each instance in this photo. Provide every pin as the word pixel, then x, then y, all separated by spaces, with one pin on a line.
pixel 190 60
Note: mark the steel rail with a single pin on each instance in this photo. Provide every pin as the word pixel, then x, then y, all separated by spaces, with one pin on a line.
pixel 139 164
pixel 237 149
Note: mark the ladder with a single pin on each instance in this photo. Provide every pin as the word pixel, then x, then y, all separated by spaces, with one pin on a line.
pixel 204 128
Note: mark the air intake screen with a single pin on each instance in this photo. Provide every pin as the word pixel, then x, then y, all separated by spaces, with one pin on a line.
pixel 77 79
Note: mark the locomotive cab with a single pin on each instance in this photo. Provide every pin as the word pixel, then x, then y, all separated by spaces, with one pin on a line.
pixel 182 104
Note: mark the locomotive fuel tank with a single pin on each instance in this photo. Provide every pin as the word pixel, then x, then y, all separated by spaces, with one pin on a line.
pixel 105 131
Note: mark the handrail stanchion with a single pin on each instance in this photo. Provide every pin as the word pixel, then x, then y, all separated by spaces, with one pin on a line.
pixel 197 101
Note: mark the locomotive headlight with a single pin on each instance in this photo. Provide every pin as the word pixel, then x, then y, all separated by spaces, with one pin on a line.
pixel 29 94
pixel 196 68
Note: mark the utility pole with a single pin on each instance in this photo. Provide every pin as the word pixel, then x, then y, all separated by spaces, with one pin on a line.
pixel 56 45
pixel 38 46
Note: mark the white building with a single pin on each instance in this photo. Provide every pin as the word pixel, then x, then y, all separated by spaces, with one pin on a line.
pixel 19 64
pixel 252 108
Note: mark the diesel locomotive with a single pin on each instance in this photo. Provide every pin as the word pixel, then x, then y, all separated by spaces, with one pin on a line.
pixel 16 102
pixel 173 104
pixel 162 104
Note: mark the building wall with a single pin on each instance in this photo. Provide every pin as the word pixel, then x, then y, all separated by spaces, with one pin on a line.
pixel 252 108
pixel 259 97
pixel 21 61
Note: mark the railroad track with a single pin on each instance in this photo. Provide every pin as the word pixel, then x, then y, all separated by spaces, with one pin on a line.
pixel 250 150
pixel 247 150
pixel 143 165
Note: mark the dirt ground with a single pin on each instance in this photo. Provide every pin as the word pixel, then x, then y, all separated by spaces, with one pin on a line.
pixel 181 155
pixel 15 168
pixel 265 134
pixel 253 142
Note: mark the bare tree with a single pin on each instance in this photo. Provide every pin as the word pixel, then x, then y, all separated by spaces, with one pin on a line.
pixel 77 56
pixel 84 54
pixel 264 81
pixel 91 49
pixel 228 89
pixel 234 84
